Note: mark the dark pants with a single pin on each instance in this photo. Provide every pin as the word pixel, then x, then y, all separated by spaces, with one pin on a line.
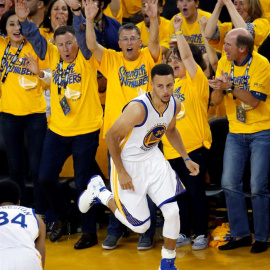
pixel 55 152
pixel 15 129
pixel 193 204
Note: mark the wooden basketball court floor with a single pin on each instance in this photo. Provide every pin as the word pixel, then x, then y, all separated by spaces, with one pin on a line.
pixel 62 255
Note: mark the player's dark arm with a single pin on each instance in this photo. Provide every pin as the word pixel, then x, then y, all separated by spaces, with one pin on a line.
pixel 40 241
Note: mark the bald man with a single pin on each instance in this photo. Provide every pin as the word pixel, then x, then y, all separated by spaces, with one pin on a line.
pixel 242 81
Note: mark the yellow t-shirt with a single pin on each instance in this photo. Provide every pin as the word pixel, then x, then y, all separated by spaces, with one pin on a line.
pixel 258 76
pixel 191 121
pixel 192 31
pixel 119 16
pixel 266 8
pixel 22 93
pixel 130 7
pixel 46 34
pixel 81 93
pixel 261 28
pixel 164 38
pixel 126 80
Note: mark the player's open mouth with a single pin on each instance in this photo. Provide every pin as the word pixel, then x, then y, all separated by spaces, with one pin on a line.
pixel 129 50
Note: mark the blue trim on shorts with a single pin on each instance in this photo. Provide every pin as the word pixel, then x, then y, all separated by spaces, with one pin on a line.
pixel 172 198
pixel 180 188
pixel 132 220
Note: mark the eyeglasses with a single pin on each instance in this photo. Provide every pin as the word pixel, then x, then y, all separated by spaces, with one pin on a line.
pixel 126 39
pixel 171 58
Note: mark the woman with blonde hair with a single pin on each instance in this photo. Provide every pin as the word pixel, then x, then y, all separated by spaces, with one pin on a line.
pixel 246 14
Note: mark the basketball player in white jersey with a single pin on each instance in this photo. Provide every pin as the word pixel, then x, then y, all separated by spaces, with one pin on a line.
pixel 139 167
pixel 22 233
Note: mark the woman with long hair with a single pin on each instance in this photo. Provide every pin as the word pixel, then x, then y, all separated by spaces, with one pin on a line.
pixel 246 14
pixel 191 88
pixel 23 107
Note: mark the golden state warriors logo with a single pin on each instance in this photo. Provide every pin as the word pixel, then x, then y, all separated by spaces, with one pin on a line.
pixel 73 91
pixel 181 114
pixel 154 136
pixel 28 82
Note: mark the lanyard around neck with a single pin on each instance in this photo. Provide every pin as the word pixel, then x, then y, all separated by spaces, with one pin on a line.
pixel 246 73
pixel 14 59
pixel 61 74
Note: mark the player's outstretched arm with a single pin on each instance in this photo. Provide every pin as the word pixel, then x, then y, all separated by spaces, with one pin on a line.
pixel 134 114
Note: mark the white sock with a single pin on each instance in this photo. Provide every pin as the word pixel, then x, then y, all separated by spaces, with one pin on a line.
pixel 105 196
pixel 167 253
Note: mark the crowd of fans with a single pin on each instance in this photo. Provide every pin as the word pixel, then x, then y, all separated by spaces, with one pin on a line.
pixel 89 59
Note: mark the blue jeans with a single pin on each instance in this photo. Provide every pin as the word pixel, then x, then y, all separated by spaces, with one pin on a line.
pixel 15 129
pixel 237 150
pixel 193 203
pixel 56 150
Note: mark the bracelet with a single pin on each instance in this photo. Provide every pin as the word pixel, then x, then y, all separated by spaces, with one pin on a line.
pixel 77 9
pixel 180 32
pixel 187 159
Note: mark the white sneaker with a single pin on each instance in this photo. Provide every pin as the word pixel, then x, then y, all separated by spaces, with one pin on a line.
pixel 200 242
pixel 91 195
pixel 182 240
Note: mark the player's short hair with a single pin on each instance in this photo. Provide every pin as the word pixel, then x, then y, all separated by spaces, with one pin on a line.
pixel 63 30
pixel 9 192
pixel 129 26
pixel 162 70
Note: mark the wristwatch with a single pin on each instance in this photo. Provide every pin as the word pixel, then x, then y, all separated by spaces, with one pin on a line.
pixel 230 89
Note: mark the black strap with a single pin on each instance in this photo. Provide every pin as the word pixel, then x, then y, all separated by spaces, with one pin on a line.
pixel 61 74
pixel 14 59
pixel 246 73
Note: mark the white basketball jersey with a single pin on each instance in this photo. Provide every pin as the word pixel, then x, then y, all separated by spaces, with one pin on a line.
pixel 141 141
pixel 18 227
